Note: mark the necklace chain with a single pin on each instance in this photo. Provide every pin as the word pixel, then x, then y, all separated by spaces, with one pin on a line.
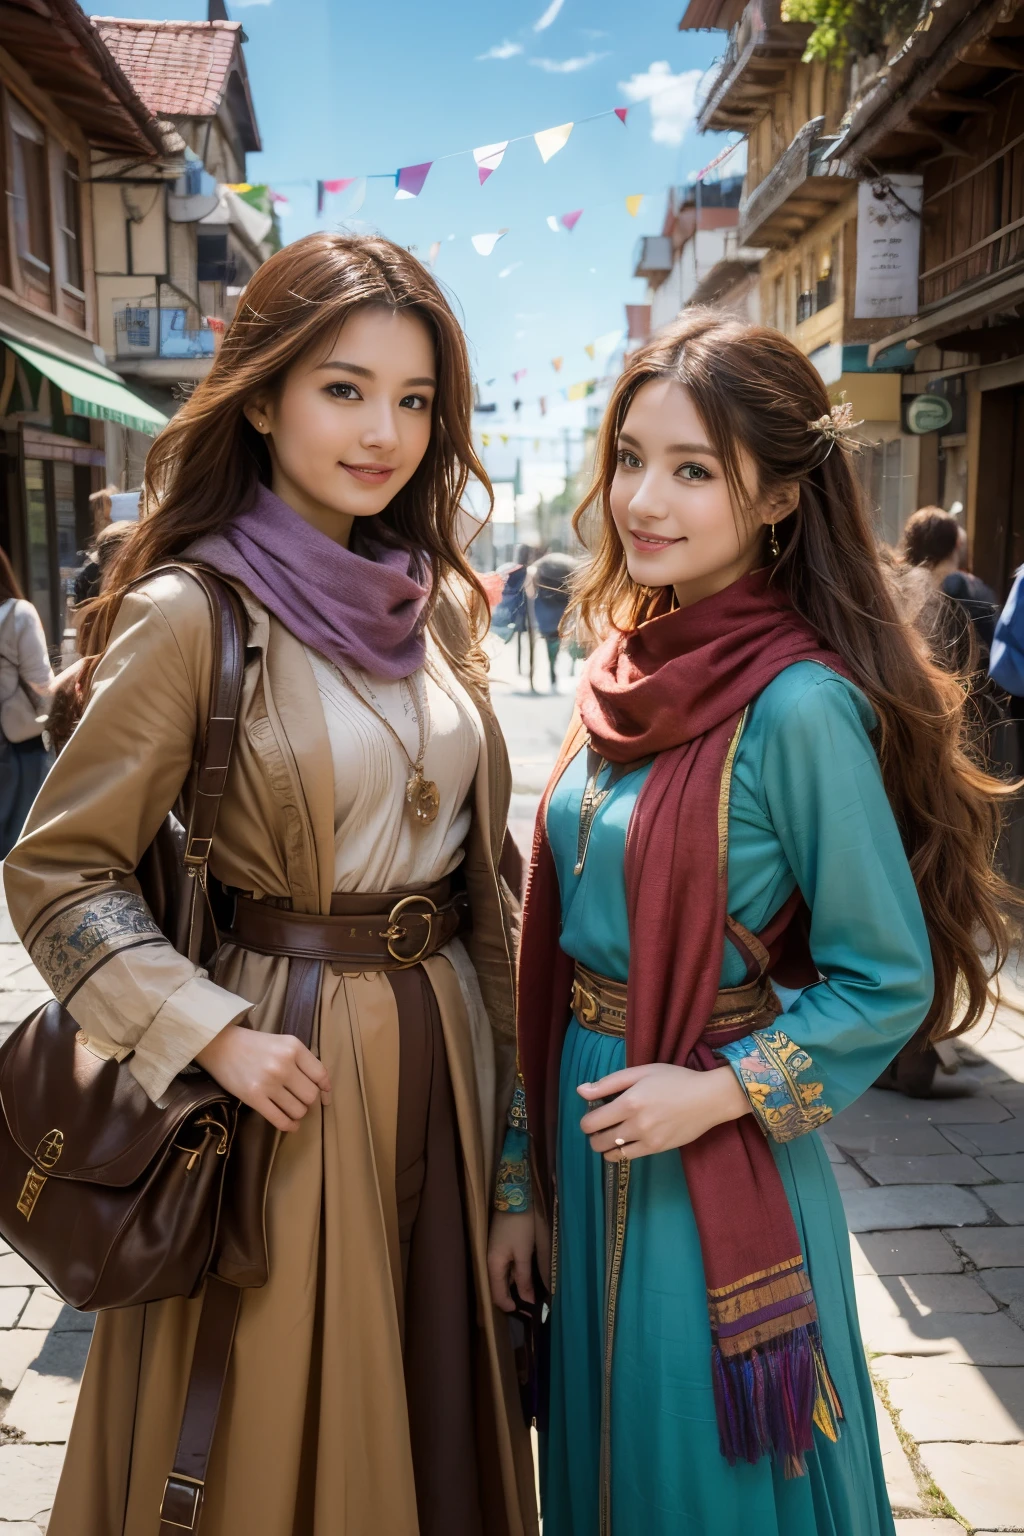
pixel 421 793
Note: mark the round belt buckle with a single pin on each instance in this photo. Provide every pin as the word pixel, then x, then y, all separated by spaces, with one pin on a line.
pixel 394 930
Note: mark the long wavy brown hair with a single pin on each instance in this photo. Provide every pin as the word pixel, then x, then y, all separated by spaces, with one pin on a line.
pixel 207 464
pixel 756 393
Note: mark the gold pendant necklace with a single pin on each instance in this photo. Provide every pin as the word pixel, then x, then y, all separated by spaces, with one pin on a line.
pixel 422 795
pixel 591 803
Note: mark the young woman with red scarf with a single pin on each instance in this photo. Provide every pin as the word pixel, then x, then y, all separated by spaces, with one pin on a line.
pixel 765 783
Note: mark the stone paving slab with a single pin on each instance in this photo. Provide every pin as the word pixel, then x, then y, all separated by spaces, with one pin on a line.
pixel 849 1177
pixel 903 1253
pixel 892 1325
pixel 28 1479
pixel 1005 1285
pixel 18 1348
pixel 1007 1200
pixel 44 1404
pixel 900 1482
pixel 832 1151
pixel 1008 1167
pixel 14 1271
pixel 943 1293
pixel 938 1400
pixel 913 1205
pixel 987 1140
pixel 991 1247
pixel 888 1109
pixel 895 1138
pixel 19 1528
pixel 12 1304
pixel 948 1168
pixel 984 1483
pixel 930 1528
pixel 43 1310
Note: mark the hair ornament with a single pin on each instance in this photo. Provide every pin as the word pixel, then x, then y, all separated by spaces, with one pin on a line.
pixel 836 426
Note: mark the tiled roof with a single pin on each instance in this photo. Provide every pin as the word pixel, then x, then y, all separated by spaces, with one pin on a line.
pixel 179 68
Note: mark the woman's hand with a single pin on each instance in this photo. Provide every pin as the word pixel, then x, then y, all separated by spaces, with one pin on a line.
pixel 659 1107
pixel 274 1074
pixel 510 1257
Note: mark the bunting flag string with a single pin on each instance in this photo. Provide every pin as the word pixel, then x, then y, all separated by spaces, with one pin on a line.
pixel 409 179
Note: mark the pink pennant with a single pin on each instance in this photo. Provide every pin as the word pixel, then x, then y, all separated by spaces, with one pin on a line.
pixel 520 375
pixel 411 178
pixel 620 113
pixel 339 186
pixel 570 220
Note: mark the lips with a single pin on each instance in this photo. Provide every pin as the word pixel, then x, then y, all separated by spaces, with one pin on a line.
pixel 370 474
pixel 649 543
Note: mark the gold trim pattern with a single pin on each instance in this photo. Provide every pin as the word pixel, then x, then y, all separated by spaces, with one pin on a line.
pixel 775 1074
pixel 85 934
pixel 616 1190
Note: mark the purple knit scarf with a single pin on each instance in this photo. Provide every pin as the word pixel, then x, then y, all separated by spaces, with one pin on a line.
pixel 363 612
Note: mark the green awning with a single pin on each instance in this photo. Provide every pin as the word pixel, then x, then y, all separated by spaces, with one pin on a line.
pixel 98 394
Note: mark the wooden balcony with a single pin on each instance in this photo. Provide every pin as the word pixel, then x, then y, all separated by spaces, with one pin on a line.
pixel 761 46
pixel 799 189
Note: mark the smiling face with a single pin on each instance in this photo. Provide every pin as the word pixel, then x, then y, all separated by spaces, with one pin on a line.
pixel 349 427
pixel 671 503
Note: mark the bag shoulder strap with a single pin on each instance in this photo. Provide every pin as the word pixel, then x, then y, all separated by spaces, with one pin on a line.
pixel 213 752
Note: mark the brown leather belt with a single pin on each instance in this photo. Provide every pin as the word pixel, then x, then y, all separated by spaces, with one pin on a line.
pixel 600 1004
pixel 378 932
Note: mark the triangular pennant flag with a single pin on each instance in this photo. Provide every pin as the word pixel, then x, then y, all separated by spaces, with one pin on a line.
pixel 556 363
pixel 536 445
pixel 582 390
pixel 488 157
pixel 410 179
pixel 570 220
pixel 543 403
pixel 357 197
pixel 504 437
pixel 340 184
pixel 485 438
pixel 484 244
pixel 519 374
pixel 319 198
pixel 550 140
pixel 633 204
pixel 553 223
pixel 605 345
pixel 589 349
pixel 435 251
pixel 620 113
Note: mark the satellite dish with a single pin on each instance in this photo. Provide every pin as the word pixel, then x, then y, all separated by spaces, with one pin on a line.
pixel 189 210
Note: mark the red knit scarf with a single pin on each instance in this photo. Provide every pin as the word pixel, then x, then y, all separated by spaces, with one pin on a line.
pixel 677 688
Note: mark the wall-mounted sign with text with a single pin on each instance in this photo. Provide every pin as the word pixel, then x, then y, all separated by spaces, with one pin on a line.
pixel 888 247
pixel 927 413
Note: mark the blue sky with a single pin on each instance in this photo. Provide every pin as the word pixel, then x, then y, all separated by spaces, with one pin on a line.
pixel 343 89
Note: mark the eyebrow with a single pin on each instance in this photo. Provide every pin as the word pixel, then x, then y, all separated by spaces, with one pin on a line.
pixel 368 373
pixel 624 437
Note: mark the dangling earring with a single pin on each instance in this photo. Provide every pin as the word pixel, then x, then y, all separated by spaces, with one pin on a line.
pixel 773 542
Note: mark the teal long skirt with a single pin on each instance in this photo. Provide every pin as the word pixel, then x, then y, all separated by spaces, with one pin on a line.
pixel 660 1472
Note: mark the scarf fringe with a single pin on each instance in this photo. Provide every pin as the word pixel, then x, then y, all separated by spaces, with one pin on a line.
pixel 769 1400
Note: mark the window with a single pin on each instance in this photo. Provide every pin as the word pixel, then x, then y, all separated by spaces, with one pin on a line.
pixel 31 200
pixel 71 225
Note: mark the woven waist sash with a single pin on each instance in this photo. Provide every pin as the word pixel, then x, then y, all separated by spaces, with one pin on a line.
pixel 599 1003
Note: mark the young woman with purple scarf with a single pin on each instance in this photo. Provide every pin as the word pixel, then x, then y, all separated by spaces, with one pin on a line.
pixel 319 469
pixel 762 862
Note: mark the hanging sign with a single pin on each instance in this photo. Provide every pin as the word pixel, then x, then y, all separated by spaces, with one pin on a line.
pixel 928 413
pixel 888 247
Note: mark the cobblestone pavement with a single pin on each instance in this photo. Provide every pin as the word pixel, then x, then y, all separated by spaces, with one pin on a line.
pixel 934 1192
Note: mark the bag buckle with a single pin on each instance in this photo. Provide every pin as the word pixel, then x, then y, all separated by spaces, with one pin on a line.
pixel 184 1488
pixel 198 851
pixel 394 930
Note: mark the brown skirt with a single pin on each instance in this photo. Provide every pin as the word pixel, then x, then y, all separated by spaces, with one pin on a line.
pixel 394 1416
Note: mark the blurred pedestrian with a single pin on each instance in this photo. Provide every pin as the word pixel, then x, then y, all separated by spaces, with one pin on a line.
pixel 935 540
pixel 548 584
pixel 72 685
pixel 26 679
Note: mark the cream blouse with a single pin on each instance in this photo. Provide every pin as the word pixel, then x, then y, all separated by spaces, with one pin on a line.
pixel 379 845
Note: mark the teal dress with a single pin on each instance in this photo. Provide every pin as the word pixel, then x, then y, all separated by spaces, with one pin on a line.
pixel 808 808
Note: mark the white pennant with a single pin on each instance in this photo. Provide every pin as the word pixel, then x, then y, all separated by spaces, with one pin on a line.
pixel 488 157
pixel 484 244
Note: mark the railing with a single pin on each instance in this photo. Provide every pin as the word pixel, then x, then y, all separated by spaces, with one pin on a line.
pixel 146 331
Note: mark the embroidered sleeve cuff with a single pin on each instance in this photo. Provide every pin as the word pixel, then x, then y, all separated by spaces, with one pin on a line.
pixel 512 1191
pixel 777 1075
pixel 188 1021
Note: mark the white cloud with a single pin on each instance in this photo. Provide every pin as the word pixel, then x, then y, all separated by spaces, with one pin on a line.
pixel 543 22
pixel 505 50
pixel 672 99
pixel 568 66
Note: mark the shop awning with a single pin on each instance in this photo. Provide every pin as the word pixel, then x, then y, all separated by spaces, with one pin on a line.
pixel 100 394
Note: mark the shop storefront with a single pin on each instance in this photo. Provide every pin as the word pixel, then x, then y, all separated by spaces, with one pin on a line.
pixel 52 458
